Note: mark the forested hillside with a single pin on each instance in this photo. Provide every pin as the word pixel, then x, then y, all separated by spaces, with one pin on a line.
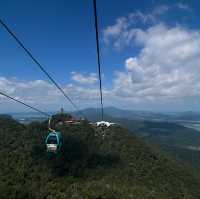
pixel 91 166
pixel 181 142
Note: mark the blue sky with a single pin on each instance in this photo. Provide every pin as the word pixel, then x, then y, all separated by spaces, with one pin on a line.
pixel 138 72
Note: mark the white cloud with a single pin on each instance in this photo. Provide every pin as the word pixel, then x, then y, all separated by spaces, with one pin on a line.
pixel 114 31
pixel 151 17
pixel 160 10
pixel 42 94
pixel 138 16
pixel 29 91
pixel 166 68
pixel 84 79
pixel 122 32
pixel 183 6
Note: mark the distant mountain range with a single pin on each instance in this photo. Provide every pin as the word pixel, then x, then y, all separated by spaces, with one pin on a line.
pixel 141 115
pixel 94 114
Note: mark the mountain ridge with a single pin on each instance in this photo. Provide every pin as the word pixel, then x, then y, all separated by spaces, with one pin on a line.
pixel 118 165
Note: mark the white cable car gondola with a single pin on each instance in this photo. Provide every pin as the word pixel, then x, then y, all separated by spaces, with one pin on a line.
pixel 104 124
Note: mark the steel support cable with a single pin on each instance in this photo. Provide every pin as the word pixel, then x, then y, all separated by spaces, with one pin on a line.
pixel 20 102
pixel 39 65
pixel 98 57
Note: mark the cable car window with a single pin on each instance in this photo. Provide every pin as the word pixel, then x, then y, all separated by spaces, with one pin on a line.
pixel 52 140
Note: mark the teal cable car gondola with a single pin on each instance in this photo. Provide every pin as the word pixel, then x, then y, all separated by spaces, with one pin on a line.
pixel 53 141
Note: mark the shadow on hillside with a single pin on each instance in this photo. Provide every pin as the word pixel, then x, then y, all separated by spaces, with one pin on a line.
pixel 77 158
